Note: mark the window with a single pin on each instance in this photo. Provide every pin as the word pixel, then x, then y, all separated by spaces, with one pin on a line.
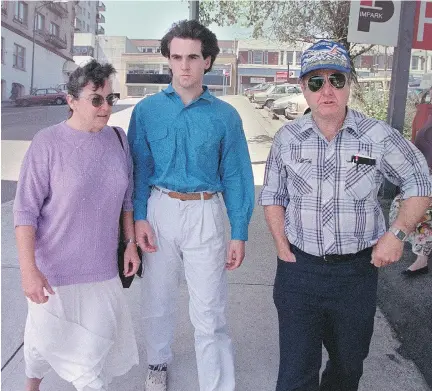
pixel 21 12
pixel 52 91
pixel 40 92
pixel 40 22
pixel 290 56
pixel 88 28
pixel 54 29
pixel 298 58
pixel 257 57
pixel 143 69
pixel 88 15
pixel 2 50
pixel 414 62
pixel 281 58
pixel 19 57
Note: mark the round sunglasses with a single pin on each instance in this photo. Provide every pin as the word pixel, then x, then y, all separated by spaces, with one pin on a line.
pixel 98 100
pixel 337 80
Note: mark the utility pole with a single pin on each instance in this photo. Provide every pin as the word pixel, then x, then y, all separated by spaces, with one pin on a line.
pixel 400 75
pixel 194 10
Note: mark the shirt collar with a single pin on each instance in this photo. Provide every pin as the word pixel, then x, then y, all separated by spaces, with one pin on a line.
pixel 307 124
pixel 206 95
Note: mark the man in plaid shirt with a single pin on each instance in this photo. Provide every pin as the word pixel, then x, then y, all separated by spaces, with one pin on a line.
pixel 320 200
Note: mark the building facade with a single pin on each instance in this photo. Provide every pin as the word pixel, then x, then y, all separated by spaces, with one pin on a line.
pixel 147 71
pixel 89 17
pixel 37 41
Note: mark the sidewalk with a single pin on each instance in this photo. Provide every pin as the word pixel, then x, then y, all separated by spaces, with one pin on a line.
pixel 252 319
pixel 251 313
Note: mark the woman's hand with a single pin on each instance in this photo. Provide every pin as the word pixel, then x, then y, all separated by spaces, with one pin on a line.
pixel 33 283
pixel 131 260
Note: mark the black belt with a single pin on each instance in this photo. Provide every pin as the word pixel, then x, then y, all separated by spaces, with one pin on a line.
pixel 336 258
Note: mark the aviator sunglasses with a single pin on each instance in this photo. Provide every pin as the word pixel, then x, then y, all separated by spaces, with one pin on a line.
pixel 98 100
pixel 337 80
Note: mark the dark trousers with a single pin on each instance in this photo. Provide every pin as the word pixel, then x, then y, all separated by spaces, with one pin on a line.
pixel 324 304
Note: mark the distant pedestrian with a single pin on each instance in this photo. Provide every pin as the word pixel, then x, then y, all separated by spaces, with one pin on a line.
pixel 74 181
pixel 320 192
pixel 421 237
pixel 188 148
pixel 14 92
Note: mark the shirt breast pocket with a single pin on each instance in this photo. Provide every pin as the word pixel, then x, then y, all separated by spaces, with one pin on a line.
pixel 157 139
pixel 360 180
pixel 300 178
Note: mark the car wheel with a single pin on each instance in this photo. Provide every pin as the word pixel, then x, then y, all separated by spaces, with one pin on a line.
pixel 58 101
pixel 268 103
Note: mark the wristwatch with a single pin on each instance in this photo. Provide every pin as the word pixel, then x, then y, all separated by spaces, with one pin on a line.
pixel 401 235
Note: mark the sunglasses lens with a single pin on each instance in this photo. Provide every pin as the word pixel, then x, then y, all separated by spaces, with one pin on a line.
pixel 97 101
pixel 315 83
pixel 337 80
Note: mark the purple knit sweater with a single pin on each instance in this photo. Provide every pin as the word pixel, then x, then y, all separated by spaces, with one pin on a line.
pixel 72 187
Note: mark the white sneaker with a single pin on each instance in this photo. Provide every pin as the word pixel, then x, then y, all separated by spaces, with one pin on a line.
pixel 156 380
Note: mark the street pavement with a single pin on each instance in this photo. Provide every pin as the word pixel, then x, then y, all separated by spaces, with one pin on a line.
pixel 251 313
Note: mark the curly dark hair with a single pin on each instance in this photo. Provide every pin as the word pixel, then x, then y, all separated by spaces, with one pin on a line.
pixel 192 29
pixel 93 72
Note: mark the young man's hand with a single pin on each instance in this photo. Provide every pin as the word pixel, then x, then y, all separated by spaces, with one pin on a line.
pixel 145 236
pixel 236 254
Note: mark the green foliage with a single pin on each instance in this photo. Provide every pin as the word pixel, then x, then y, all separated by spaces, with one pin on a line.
pixel 375 104
pixel 290 21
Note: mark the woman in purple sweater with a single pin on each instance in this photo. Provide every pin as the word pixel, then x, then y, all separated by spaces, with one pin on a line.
pixel 75 179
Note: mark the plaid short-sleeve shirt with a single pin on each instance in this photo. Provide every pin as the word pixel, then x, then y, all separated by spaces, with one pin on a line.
pixel 331 203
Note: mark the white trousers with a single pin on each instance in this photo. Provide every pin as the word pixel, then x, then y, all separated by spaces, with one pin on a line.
pixel 84 332
pixel 189 234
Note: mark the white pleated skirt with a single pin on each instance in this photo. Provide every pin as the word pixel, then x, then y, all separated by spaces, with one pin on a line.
pixel 84 332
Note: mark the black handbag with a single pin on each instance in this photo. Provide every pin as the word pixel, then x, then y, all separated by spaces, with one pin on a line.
pixel 126 281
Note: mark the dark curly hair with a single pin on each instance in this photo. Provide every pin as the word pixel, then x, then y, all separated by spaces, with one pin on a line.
pixel 93 72
pixel 192 29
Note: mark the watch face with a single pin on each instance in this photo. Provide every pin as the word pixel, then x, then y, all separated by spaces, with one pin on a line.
pixel 401 235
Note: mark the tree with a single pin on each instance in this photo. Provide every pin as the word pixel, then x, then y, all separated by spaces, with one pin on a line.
pixel 289 21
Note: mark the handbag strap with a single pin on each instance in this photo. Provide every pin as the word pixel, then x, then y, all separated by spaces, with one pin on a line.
pixel 119 137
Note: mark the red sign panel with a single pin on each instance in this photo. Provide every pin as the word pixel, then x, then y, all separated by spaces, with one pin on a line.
pixel 422 35
pixel 281 75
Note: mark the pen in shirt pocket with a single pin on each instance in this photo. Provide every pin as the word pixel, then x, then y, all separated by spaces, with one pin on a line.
pixel 362 159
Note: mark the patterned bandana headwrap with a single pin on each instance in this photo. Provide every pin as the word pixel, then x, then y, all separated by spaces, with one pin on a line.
pixel 325 55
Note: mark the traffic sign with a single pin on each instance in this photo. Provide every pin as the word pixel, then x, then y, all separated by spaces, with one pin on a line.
pixel 374 22
pixel 422 37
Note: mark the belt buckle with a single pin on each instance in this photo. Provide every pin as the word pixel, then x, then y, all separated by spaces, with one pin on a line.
pixel 327 259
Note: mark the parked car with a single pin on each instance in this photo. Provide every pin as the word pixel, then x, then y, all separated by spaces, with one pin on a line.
pixel 296 107
pixel 42 96
pixel 276 91
pixel 258 88
pixel 62 87
pixel 279 105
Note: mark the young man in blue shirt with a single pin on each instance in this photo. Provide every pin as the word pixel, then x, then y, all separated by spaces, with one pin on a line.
pixel 188 147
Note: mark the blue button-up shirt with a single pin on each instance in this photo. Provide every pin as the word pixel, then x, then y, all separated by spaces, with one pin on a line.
pixel 192 148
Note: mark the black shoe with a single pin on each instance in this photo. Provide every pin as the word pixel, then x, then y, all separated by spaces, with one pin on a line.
pixel 413 273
